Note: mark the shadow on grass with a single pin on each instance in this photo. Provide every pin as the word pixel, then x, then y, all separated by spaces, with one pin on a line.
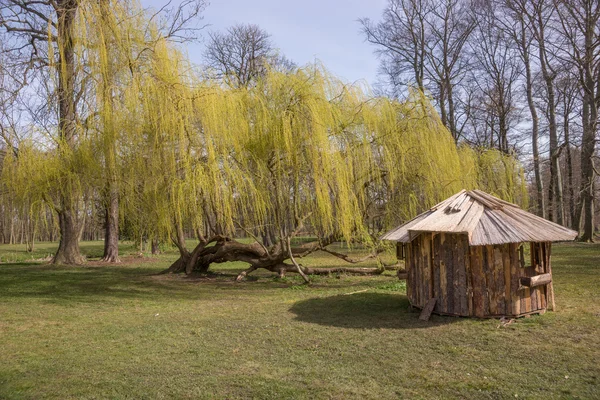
pixel 63 284
pixel 92 283
pixel 364 311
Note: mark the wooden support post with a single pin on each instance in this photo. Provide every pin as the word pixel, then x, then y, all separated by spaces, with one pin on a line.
pixel 549 270
pixel 427 310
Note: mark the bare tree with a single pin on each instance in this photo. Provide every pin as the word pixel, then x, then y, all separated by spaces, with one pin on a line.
pixel 451 26
pixel 517 27
pixel 401 39
pixel 541 20
pixel 580 24
pixel 423 42
pixel 240 55
pixel 568 91
pixel 495 74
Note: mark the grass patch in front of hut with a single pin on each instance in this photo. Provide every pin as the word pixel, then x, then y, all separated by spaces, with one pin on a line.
pixel 121 331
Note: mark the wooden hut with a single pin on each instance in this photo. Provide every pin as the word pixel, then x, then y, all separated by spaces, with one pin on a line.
pixel 467 253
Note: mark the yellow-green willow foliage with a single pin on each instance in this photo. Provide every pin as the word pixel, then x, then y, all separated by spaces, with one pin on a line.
pixel 495 172
pixel 111 43
pixel 22 182
pixel 294 150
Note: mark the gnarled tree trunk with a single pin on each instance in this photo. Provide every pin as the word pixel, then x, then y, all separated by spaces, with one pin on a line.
pixel 68 248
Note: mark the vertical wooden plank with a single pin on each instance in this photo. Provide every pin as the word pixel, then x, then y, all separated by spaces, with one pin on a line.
pixel 409 272
pixel 428 265
pixel 542 270
pixel 424 269
pixel 479 294
pixel 431 273
pixel 462 251
pixel 456 273
pixel 551 303
pixel 425 256
pixel 468 277
pixel 443 274
pixel 488 266
pixel 526 303
pixel 533 292
pixel 416 275
pixel 507 280
pixel 424 272
pixel 524 293
pixel 413 258
pixel 444 271
pixel 422 279
pixel 515 272
pixel 499 278
pixel 449 257
pixel 436 272
pixel 417 294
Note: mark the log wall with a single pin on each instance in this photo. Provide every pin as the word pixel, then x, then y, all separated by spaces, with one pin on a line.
pixel 479 281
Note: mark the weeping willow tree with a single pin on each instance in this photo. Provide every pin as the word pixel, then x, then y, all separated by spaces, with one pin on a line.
pixel 296 153
pixel 59 165
pixel 85 53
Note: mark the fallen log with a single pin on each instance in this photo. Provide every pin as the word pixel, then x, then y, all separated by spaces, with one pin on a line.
pixel 343 270
pixel 225 249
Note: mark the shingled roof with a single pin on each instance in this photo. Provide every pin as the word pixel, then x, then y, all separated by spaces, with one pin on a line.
pixel 486 219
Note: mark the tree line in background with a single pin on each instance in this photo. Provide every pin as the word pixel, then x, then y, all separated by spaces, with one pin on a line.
pixel 108 129
pixel 521 76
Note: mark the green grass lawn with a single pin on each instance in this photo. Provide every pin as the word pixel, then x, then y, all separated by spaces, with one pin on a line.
pixel 121 331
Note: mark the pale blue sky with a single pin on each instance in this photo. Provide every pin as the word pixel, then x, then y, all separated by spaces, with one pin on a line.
pixel 304 30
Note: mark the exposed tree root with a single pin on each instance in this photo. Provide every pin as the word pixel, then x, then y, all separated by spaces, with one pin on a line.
pixel 111 257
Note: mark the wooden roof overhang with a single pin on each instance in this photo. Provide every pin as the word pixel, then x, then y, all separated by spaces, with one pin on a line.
pixel 486 220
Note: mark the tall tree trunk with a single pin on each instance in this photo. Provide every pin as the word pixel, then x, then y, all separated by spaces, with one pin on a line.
pixel 587 182
pixel 68 250
pixel 591 83
pixel 443 113
pixel 588 144
pixel 555 193
pixel 539 183
pixel 451 111
pixel 570 190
